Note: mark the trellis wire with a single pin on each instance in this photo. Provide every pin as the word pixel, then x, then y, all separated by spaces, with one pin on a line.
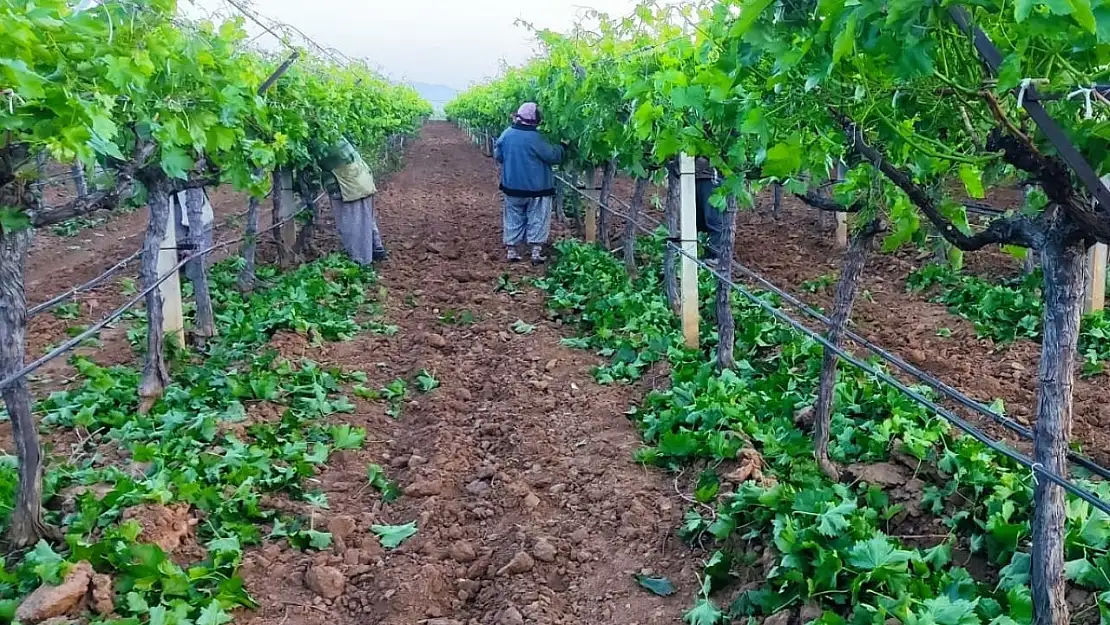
pixel 117 313
pixel 97 281
pixel 995 445
pixel 891 358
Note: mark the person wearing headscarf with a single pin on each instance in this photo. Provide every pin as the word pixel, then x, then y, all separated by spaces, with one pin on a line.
pixel 710 220
pixel 527 182
pixel 351 190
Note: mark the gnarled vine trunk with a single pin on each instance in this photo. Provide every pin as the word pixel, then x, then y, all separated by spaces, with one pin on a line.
pixel 634 207
pixel 79 180
pixel 155 374
pixel 726 325
pixel 671 214
pixel 27 525
pixel 845 297
pixel 560 200
pixel 604 195
pixel 306 238
pixel 250 246
pixel 1063 259
pixel 205 325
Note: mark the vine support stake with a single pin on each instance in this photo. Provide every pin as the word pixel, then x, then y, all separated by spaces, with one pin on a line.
pixel 689 228
pixel 1096 278
pixel 173 316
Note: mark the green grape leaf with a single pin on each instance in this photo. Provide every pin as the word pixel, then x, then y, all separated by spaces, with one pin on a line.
pixel 391 536
pixel 783 160
pixel 176 163
pixel 972 178
pixel 656 585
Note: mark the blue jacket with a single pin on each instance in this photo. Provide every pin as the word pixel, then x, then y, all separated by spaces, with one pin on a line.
pixel 526 159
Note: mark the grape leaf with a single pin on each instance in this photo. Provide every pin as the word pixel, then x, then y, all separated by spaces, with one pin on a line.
pixel 391 536
pixel 657 585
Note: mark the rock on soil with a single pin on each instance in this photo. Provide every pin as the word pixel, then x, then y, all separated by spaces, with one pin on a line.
pixel 810 612
pixel 52 601
pixel 326 581
pixel 424 488
pixel 510 616
pixel 883 474
pixel 463 552
pixel 521 563
pixel 164 526
pixel 544 550
pixel 102 595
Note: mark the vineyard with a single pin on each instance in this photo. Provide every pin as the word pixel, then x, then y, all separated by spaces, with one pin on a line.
pixel 875 396
pixel 871 490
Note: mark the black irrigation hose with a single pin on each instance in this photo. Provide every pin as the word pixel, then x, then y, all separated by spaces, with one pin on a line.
pixel 998 446
pixel 117 313
pixel 893 359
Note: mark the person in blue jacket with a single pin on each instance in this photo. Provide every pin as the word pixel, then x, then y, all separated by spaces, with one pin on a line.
pixel 527 182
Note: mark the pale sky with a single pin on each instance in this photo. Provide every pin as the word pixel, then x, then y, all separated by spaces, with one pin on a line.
pixel 450 42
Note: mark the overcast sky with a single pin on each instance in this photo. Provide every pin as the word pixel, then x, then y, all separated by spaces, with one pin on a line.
pixel 450 42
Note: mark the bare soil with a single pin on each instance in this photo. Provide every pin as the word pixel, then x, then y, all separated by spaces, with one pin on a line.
pixel 518 469
pixel 519 457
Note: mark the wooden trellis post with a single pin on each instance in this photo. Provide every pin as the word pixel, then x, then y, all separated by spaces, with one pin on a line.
pixel 837 174
pixel 1096 278
pixel 173 317
pixel 842 230
pixel 1096 272
pixel 689 229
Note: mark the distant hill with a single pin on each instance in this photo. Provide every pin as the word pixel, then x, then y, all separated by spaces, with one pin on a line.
pixel 437 95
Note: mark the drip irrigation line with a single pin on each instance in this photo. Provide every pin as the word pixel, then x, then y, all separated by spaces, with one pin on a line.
pixel 117 313
pixel 930 380
pixel 91 284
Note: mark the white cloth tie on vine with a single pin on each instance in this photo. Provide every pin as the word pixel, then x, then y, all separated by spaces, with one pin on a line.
pixel 1025 84
pixel 1086 92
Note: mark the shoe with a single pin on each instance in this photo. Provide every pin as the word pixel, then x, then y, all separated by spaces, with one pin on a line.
pixel 538 260
pixel 381 255
pixel 514 256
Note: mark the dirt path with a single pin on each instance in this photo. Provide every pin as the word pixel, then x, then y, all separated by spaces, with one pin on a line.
pixel 517 469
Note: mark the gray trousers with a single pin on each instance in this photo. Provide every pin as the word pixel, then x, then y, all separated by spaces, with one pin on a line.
pixel 710 220
pixel 189 242
pixel 527 220
pixel 357 224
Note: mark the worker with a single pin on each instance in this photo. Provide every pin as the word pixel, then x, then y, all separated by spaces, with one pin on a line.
pixel 527 182
pixel 710 220
pixel 351 190
pixel 192 240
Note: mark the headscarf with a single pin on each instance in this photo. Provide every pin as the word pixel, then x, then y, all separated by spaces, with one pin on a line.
pixel 528 114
